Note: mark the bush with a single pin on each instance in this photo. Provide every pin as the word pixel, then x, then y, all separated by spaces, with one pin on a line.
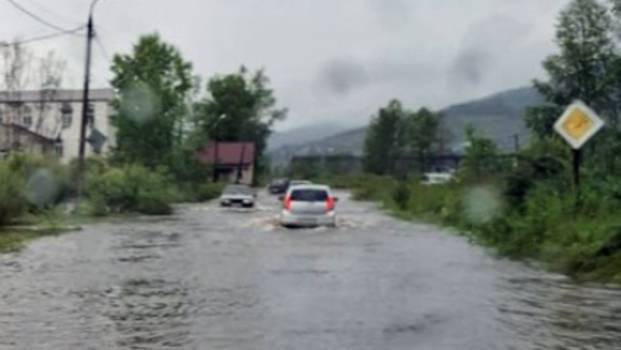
pixel 372 187
pixel 209 191
pixel 401 195
pixel 132 188
pixel 46 181
pixel 12 202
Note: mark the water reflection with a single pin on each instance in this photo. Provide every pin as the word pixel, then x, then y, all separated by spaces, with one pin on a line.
pixel 150 314
pixel 217 282
pixel 556 313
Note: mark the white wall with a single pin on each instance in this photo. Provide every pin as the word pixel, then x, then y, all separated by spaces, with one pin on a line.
pixel 71 136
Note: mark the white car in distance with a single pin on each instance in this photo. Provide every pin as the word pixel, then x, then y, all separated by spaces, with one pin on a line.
pixel 437 178
pixel 241 195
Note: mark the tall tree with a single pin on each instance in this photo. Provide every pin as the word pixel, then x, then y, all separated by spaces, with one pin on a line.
pixel 22 70
pixel 384 139
pixel 423 129
pixel 153 82
pixel 239 107
pixel 50 76
pixel 582 67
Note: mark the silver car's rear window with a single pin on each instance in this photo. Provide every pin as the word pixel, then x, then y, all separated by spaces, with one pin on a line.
pixel 309 195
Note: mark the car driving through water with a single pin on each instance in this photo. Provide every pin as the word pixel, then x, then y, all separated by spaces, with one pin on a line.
pixel 308 206
pixel 278 186
pixel 241 195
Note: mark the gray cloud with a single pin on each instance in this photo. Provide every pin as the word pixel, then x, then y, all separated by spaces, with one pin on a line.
pixel 485 45
pixel 342 76
pixel 327 60
pixel 470 65
pixel 392 13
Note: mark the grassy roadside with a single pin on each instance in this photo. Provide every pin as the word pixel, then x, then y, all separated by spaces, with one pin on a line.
pixel 29 227
pixel 584 242
pixel 53 221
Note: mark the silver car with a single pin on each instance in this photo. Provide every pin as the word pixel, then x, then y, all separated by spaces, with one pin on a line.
pixel 241 195
pixel 308 206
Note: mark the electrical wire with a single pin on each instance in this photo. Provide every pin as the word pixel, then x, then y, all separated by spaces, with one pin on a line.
pixel 36 17
pixel 43 37
pixel 101 46
pixel 55 14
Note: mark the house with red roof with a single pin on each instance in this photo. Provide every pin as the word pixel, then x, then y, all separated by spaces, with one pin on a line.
pixel 233 161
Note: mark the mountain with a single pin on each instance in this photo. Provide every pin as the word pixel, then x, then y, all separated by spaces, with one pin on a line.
pixel 302 135
pixel 499 117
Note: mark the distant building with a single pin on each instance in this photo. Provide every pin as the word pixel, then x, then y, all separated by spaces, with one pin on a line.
pixel 18 138
pixel 234 161
pixel 54 115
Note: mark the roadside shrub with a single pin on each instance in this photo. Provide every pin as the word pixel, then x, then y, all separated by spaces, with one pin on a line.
pixel 132 188
pixel 372 187
pixel 12 203
pixel 46 181
pixel 209 191
pixel 401 195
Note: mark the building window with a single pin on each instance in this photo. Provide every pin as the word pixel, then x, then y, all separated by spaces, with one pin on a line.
pixel 66 112
pixel 90 114
pixel 27 116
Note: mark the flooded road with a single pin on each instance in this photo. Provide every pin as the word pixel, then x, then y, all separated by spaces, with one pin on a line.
pixel 209 278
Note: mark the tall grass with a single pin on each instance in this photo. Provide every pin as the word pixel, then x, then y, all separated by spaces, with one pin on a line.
pixel 582 240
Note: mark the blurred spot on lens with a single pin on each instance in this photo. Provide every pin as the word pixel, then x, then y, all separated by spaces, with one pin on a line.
pixel 42 188
pixel 139 103
pixel 481 204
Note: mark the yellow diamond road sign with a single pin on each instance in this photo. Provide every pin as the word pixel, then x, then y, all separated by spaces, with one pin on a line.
pixel 578 124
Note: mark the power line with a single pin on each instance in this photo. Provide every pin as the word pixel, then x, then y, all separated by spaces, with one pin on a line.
pixel 47 10
pixel 101 46
pixel 43 37
pixel 35 16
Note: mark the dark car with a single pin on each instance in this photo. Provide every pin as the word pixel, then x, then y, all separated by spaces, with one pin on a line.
pixel 279 186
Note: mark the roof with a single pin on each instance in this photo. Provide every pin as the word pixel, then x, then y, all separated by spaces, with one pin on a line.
pixel 25 130
pixel 60 95
pixel 229 153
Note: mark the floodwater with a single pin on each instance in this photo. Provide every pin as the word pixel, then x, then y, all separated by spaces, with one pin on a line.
pixel 209 278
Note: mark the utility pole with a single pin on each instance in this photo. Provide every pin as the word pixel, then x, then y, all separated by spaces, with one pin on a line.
pixel 516 142
pixel 85 97
pixel 216 157
pixel 216 161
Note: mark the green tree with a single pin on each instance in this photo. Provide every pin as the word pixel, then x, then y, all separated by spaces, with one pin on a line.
pixel 239 107
pixel 581 69
pixel 482 160
pixel 153 82
pixel 422 135
pixel 385 139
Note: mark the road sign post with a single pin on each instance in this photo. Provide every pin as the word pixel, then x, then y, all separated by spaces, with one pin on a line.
pixel 577 159
pixel 577 126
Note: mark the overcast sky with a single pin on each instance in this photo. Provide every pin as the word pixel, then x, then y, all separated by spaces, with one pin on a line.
pixel 329 60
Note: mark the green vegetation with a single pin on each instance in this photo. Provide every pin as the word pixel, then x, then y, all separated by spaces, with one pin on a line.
pixel 131 188
pixel 238 107
pixel 12 203
pixel 154 82
pixel 396 132
pixel 525 205
pixel 162 122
